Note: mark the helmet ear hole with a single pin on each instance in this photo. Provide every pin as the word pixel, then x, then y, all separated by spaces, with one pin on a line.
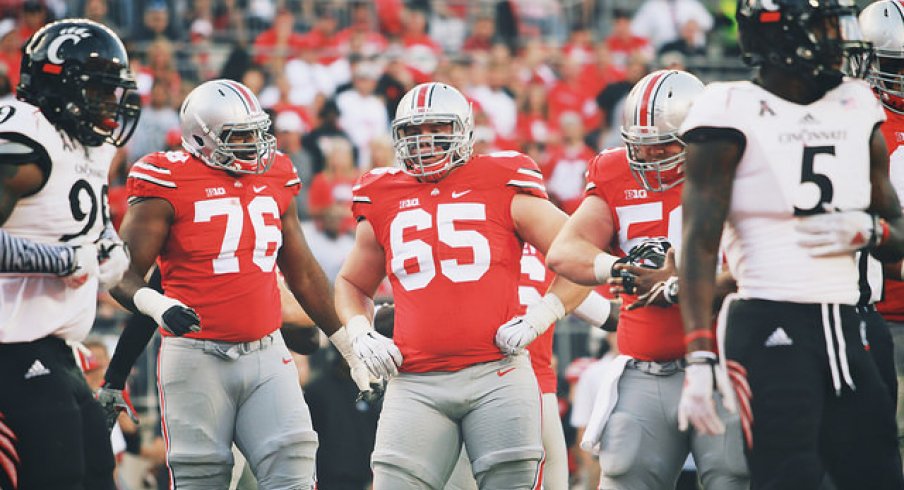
pixel 198 140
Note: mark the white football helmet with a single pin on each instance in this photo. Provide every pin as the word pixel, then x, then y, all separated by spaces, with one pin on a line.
pixel 431 156
pixel 882 24
pixel 223 125
pixel 654 110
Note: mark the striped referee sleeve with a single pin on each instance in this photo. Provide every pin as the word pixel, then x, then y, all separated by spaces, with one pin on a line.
pixel 25 256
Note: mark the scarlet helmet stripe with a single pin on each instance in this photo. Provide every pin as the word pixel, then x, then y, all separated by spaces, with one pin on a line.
pixel 644 115
pixel 252 103
pixel 420 101
pixel 242 97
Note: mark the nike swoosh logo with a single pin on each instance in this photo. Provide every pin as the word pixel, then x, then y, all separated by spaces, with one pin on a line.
pixel 287 361
pixel 258 189
pixel 456 195
pixel 503 372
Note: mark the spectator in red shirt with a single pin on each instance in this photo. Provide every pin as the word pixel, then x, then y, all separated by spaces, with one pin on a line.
pixel 362 26
pixel 34 16
pixel 334 184
pixel 322 36
pixel 483 35
pixel 601 71
pixel 622 43
pixel 280 42
pixel 10 50
pixel 569 95
pixel 564 175
pixel 533 115
pixel 421 51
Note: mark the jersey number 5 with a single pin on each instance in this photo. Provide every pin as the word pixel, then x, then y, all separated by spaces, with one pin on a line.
pixel 446 215
pixel 264 234
pixel 821 181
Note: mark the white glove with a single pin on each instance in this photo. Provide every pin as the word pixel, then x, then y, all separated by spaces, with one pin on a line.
pixel 85 266
pixel 113 258
pixel 381 356
pixel 697 405
pixel 360 374
pixel 515 334
pixel 837 233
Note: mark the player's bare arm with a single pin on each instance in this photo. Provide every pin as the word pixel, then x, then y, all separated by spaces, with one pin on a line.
pixel 17 181
pixel 361 274
pixel 144 229
pixel 710 168
pixel 537 222
pixel 885 201
pixel 304 276
pixel 586 234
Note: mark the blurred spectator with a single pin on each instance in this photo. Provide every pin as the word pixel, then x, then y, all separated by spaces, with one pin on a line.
pixel 202 64
pixel 691 42
pixel 584 397
pixel 497 101
pixel 660 21
pixel 389 15
pixel 580 45
pixel 322 135
pixel 382 153
pixel 334 184
pixel 534 66
pixel 161 66
pixel 10 50
pixel 600 72
pixel 34 15
pixel 309 79
pixel 283 97
pixel 447 27
pixel 533 115
pixel 483 35
pixel 540 18
pixel 611 99
pixel 157 24
pixel 392 85
pixel 289 130
pixel 363 26
pixel 567 164
pixel 623 43
pixel 100 11
pixel 322 36
pixel 421 51
pixel 329 237
pixel 362 113
pixel 570 95
pixel 255 78
pixel 157 119
pixel 280 42
pixel 346 429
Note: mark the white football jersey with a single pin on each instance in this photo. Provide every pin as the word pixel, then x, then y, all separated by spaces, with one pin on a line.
pixel 798 160
pixel 70 208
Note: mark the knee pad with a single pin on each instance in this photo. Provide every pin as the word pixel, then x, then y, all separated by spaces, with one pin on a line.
pixel 286 462
pixel 510 475
pixel 620 445
pixel 399 477
pixel 201 476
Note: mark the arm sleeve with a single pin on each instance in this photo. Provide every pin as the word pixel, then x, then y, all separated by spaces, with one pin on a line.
pixel 25 256
pixel 135 337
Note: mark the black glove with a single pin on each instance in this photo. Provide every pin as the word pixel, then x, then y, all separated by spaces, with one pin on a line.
pixel 114 401
pixel 377 388
pixel 650 254
pixel 180 320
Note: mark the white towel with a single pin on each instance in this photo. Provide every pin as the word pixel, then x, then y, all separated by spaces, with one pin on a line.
pixel 604 404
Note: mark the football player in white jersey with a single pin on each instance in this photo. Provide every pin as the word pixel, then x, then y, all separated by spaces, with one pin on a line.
pixel 793 164
pixel 76 104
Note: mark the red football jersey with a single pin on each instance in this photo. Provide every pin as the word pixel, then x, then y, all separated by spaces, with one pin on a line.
pixel 535 279
pixel 452 255
pixel 653 333
pixel 892 305
pixel 220 255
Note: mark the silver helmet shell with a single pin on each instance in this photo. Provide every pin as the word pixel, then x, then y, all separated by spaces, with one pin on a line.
pixel 653 113
pixel 882 24
pixel 224 125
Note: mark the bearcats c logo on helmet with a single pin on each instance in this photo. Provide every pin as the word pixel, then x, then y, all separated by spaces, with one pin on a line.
pixel 74 34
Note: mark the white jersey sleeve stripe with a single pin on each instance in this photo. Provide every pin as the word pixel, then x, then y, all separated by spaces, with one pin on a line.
pixel 152 168
pixel 527 183
pixel 531 172
pixel 292 182
pixel 363 199
pixel 154 180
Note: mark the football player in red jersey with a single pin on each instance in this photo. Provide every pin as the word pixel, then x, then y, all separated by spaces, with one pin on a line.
pixel 883 25
pixel 448 228
pixel 218 218
pixel 633 197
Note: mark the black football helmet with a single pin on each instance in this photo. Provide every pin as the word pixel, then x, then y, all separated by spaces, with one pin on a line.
pixel 812 37
pixel 77 72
